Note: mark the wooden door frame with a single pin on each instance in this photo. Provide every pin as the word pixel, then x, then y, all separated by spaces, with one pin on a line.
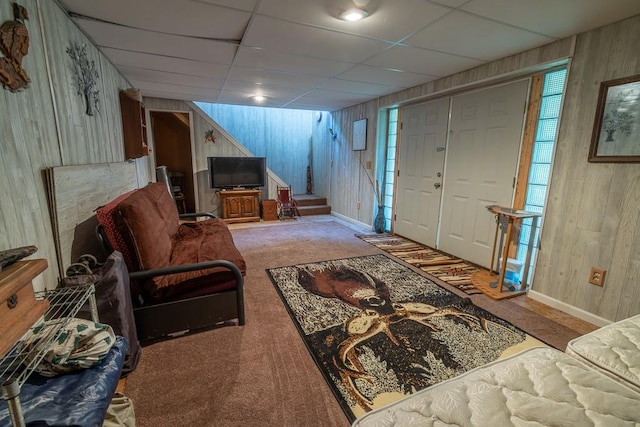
pixel 152 146
pixel 526 152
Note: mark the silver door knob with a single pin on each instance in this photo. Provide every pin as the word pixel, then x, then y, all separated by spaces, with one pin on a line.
pixel 436 185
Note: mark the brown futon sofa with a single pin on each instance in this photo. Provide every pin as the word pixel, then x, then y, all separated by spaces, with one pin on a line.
pixel 184 276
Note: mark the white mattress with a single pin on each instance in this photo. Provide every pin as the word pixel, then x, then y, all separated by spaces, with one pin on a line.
pixel 537 387
pixel 614 348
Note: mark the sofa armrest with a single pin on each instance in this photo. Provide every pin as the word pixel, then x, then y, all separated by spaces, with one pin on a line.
pixel 196 214
pixel 147 274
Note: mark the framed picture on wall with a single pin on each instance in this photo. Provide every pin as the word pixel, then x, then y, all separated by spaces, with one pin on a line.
pixel 360 134
pixel 616 131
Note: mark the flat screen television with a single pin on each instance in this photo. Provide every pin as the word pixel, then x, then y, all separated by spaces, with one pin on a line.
pixel 234 172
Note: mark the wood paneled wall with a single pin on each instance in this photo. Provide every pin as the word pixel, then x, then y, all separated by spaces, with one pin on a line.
pixel 593 210
pixel 339 172
pixel 45 125
pixel 225 145
pixel 280 135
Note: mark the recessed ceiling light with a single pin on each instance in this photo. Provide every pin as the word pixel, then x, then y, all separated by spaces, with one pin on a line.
pixel 354 15
pixel 259 98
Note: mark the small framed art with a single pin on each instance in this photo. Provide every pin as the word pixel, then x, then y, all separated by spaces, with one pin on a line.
pixel 616 131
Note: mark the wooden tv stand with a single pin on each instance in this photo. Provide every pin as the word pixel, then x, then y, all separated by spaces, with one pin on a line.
pixel 240 205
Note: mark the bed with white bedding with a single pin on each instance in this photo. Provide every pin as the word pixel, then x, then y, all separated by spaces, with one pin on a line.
pixel 615 349
pixel 537 387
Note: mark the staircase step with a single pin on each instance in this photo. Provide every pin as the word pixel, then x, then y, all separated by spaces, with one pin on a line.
pixel 309 200
pixel 314 210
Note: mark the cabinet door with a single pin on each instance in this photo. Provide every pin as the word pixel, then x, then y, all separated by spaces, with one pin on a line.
pixel 134 129
pixel 248 206
pixel 232 207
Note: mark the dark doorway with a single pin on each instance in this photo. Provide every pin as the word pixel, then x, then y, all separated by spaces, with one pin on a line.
pixel 172 140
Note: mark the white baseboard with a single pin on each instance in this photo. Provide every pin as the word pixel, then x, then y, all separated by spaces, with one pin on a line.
pixel 353 221
pixel 569 309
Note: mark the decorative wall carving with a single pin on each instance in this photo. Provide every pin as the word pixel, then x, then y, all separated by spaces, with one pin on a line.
pixel 14 45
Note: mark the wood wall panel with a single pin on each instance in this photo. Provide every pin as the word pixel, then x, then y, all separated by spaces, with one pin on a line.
pixel 321 149
pixel 592 216
pixel 83 138
pixel 29 140
pixel 339 173
pixel 77 192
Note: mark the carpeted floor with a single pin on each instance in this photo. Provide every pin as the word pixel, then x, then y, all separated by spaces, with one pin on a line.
pixel 380 331
pixel 261 374
pixel 451 270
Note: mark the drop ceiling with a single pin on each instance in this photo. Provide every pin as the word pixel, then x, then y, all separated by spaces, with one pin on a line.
pixel 299 54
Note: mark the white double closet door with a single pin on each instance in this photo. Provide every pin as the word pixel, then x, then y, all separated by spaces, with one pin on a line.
pixel 457 155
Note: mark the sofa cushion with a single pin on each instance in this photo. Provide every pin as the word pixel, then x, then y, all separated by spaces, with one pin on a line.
pixel 195 242
pixel 148 219
pixel 106 217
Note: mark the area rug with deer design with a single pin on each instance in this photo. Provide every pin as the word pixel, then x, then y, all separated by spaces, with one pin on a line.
pixel 451 270
pixel 380 331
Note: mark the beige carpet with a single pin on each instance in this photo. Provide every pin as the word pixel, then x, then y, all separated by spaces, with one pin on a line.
pixel 261 374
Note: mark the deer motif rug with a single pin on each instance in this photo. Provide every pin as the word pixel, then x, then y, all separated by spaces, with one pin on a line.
pixel 380 331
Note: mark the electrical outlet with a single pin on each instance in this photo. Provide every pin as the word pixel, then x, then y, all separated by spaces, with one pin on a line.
pixel 368 164
pixel 357 205
pixel 596 276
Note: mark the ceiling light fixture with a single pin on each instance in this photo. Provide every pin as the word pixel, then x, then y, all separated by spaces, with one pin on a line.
pixel 259 98
pixel 354 14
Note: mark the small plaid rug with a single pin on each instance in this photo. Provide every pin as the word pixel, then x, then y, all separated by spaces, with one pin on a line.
pixel 451 270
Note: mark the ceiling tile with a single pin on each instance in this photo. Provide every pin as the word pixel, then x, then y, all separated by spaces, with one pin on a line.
pixel 568 17
pixel 319 106
pixel 203 97
pixel 268 91
pixel 247 5
pixel 196 92
pixel 272 60
pixel 164 63
pixel 321 96
pixel 422 61
pixel 244 98
pixel 386 20
pixel 187 18
pixel 366 73
pixel 462 34
pixel 450 3
pixel 257 75
pixel 107 35
pixel 363 88
pixel 296 39
pixel 171 78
